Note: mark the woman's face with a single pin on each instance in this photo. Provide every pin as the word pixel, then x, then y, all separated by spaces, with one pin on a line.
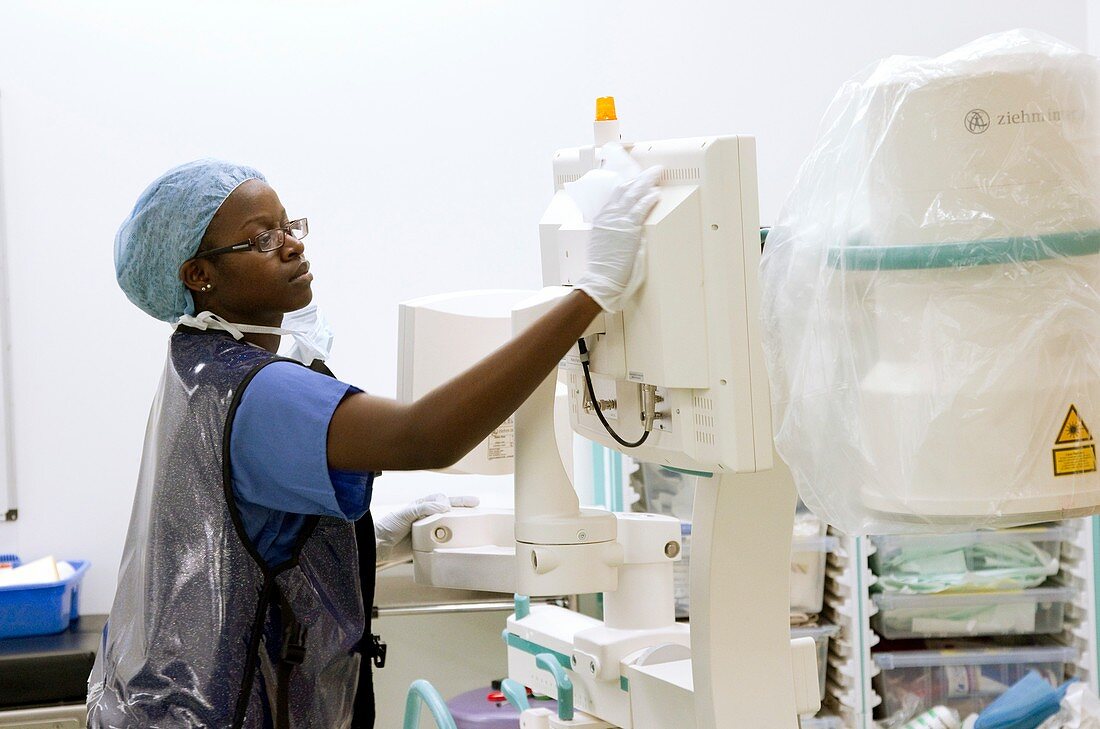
pixel 249 287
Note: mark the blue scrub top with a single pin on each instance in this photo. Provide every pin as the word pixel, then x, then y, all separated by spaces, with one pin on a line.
pixel 278 458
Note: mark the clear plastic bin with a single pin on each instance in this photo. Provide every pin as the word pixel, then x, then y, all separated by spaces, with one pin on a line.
pixel 807 573
pixel 963 676
pixel 821 635
pixel 664 491
pixel 1010 559
pixel 822 722
pixel 1023 612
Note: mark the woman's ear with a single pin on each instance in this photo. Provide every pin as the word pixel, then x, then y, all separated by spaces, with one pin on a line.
pixel 196 274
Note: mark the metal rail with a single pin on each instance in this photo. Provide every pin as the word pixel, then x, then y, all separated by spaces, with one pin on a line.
pixel 459 607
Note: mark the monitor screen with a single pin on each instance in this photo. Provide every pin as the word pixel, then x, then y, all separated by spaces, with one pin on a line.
pixel 688 342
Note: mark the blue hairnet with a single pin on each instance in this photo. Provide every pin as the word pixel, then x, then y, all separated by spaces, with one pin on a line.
pixel 165 229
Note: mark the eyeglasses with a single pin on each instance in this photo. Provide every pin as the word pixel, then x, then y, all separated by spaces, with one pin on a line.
pixel 269 240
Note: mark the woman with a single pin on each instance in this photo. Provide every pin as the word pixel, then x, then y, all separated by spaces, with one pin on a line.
pixel 249 558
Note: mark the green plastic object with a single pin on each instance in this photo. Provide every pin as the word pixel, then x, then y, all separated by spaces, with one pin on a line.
pixel 599 495
pixel 522 605
pixel 615 484
pixel 514 641
pixel 422 691
pixel 993 251
pixel 689 472
pixel 515 693
pixel 548 662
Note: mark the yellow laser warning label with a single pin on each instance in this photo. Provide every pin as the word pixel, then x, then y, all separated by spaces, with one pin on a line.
pixel 1079 459
pixel 1073 429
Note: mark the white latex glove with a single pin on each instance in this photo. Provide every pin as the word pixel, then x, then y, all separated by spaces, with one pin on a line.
pixel 393 532
pixel 616 264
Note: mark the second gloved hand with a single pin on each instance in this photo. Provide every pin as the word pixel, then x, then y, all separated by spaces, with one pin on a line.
pixel 616 266
pixel 393 531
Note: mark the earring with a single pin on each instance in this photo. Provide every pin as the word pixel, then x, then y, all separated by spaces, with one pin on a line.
pixel 206 287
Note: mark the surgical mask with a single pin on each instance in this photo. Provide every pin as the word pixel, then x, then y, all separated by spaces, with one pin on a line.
pixel 310 335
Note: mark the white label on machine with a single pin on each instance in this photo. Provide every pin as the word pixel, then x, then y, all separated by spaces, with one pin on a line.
pixel 502 441
pixel 571 361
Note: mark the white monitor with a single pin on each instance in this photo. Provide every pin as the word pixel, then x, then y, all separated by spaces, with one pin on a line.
pixel 692 330
pixel 442 335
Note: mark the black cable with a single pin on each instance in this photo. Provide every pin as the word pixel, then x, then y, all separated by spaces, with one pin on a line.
pixel 583 348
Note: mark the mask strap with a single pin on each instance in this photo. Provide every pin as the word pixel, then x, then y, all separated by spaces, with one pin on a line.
pixel 209 320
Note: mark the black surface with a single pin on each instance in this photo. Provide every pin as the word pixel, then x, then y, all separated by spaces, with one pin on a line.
pixel 44 670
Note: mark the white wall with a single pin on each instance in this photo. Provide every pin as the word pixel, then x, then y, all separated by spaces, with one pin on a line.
pixel 415 136
pixel 1092 28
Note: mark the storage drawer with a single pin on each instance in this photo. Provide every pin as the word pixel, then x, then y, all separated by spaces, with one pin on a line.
pixel 1039 610
pixel 1009 559
pixel 964 677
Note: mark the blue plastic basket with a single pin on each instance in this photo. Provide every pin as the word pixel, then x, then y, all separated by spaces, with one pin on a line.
pixel 41 609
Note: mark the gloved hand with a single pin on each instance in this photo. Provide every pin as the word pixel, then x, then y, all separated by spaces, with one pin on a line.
pixel 616 265
pixel 393 532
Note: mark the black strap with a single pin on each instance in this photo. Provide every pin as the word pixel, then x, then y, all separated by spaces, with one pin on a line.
pixel 291 654
pixel 377 651
pixel 254 641
pixel 364 711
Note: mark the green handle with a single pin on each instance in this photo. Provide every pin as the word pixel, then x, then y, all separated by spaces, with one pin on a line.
pixel 421 690
pixel 548 662
pixel 515 693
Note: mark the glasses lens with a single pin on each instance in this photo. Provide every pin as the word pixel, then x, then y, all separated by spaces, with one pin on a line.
pixel 269 240
pixel 298 228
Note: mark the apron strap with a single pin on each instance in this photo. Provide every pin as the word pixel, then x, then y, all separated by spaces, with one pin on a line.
pixel 291 654
pixel 364 711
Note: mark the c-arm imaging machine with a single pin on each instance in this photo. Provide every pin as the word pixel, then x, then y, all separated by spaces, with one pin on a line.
pixel 933 276
pixel 683 362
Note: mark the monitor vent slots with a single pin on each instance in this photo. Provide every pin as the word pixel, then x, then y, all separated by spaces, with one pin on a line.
pixel 670 176
pixel 680 174
pixel 704 420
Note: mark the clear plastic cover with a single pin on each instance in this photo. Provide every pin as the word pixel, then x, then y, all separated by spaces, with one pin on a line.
pixel 930 293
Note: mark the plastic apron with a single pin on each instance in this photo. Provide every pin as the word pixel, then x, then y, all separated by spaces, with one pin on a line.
pixel 201 632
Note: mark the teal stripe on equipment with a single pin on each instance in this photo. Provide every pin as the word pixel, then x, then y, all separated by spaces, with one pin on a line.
pixel 599 486
pixel 616 481
pixel 535 649
pixel 689 472
pixel 993 251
